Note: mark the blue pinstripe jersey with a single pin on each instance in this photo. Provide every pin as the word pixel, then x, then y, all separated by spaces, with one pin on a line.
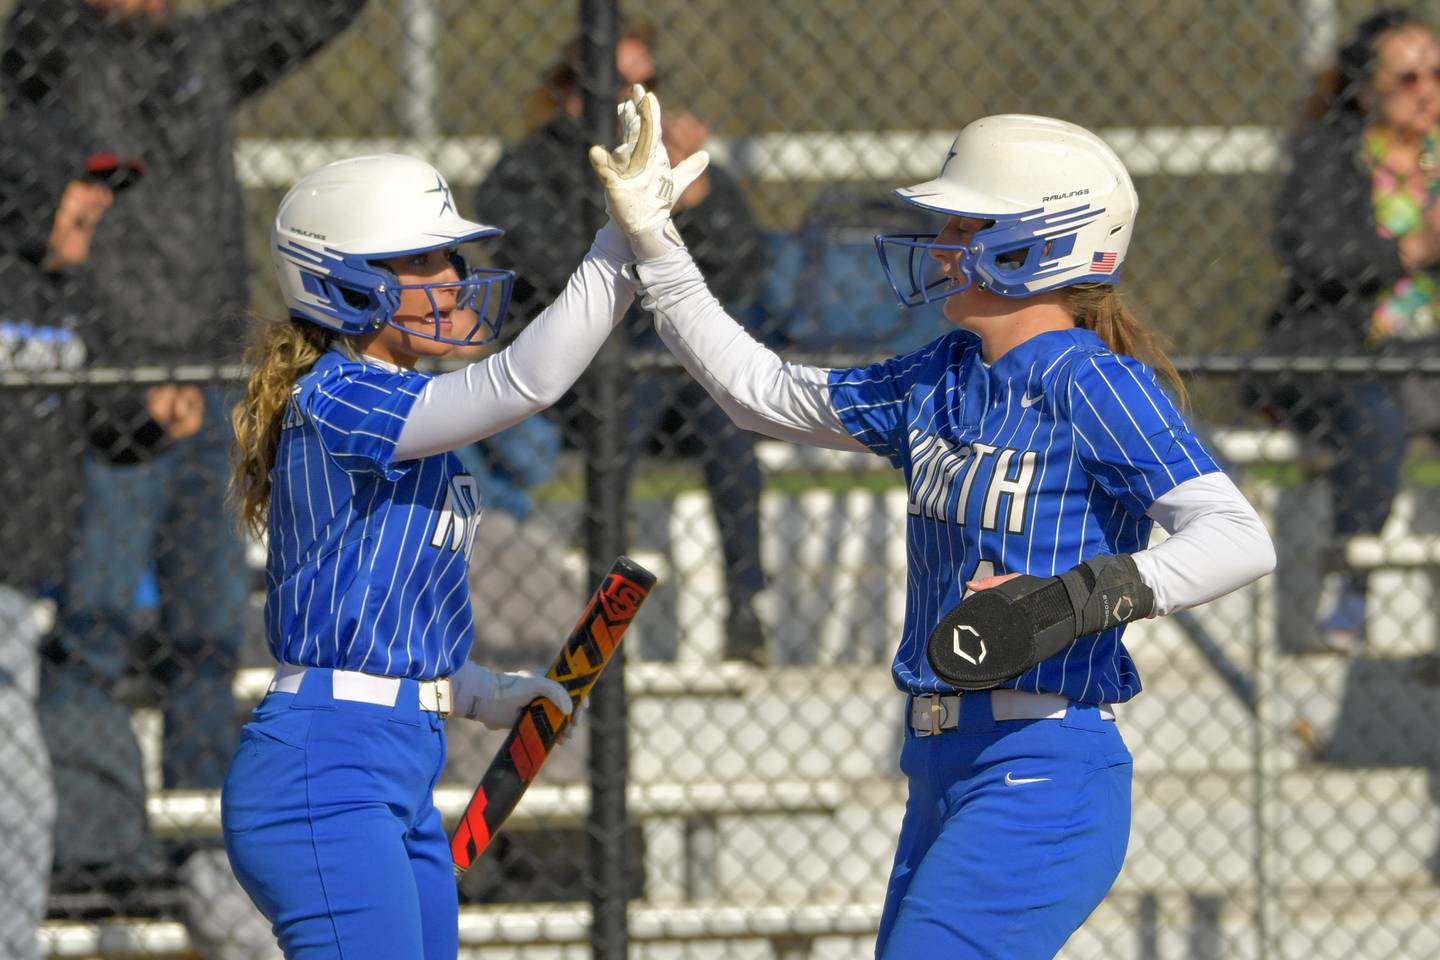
pixel 1045 458
pixel 368 558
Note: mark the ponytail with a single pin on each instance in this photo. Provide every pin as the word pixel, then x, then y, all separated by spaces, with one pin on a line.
pixel 279 353
pixel 1100 308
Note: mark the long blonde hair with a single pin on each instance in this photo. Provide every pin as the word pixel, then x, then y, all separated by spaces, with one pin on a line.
pixel 279 353
pixel 1100 308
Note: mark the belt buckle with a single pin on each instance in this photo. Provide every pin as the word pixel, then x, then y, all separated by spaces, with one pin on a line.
pixel 932 708
pixel 444 697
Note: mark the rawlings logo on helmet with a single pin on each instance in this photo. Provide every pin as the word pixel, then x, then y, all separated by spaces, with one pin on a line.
pixel 1083 191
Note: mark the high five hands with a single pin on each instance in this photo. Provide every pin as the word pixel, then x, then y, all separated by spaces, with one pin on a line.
pixel 640 185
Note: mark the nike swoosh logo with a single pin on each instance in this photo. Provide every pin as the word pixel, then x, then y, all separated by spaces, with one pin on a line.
pixel 1028 401
pixel 1013 781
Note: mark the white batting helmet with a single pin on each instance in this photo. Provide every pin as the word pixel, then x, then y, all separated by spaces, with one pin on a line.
pixel 337 222
pixel 1059 202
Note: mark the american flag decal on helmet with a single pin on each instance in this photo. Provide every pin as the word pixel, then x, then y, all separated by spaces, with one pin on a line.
pixel 1103 262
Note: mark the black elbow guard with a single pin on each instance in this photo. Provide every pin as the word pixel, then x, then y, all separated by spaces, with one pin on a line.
pixel 995 635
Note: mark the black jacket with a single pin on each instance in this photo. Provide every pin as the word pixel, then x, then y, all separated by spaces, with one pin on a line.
pixel 1337 265
pixel 537 194
pixel 169 264
pixel 41 314
pixel 40 472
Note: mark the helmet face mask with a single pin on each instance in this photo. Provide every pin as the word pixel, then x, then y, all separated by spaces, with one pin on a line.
pixel 1014 256
pixel 481 291
pixel 1058 206
pixel 337 225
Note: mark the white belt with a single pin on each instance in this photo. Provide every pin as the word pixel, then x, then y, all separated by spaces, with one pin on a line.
pixel 367 688
pixel 931 713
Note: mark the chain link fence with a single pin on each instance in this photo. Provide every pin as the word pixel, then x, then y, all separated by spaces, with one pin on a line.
pixel 1287 776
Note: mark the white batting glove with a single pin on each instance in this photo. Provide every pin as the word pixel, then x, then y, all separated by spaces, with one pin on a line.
pixel 640 185
pixel 496 699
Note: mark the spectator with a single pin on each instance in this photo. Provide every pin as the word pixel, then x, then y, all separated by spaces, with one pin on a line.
pixel 52 196
pixel 532 193
pixel 170 270
pixel 51 199
pixel 1359 233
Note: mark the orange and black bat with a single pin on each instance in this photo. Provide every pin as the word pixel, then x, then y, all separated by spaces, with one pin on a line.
pixel 589 647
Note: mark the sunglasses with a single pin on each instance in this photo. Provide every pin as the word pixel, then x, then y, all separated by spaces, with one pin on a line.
pixel 115 172
pixel 1410 79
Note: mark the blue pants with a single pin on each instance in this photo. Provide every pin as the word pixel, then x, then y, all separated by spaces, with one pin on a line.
pixel 167 514
pixel 992 866
pixel 1365 424
pixel 331 827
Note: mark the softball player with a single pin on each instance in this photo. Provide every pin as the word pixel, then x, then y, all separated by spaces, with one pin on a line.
pixel 344 461
pixel 1033 441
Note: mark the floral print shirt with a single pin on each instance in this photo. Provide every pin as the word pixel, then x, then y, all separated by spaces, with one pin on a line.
pixel 1408 309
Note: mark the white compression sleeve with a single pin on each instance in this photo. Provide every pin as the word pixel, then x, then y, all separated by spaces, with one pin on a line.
pixel 532 373
pixel 1217 544
pixel 758 390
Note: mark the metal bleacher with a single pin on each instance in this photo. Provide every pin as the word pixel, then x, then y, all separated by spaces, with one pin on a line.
pixel 1224 792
